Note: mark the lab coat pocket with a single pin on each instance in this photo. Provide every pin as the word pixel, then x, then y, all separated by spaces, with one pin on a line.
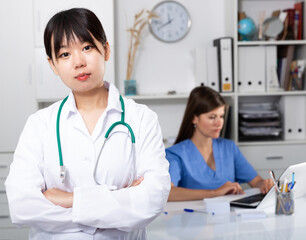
pixel 49 178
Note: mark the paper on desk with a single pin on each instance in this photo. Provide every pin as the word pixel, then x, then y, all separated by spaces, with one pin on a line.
pixel 217 206
pixel 250 213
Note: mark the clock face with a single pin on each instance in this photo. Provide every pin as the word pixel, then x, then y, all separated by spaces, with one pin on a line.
pixel 173 22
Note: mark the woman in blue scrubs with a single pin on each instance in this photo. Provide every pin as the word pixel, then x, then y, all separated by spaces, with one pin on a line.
pixel 202 165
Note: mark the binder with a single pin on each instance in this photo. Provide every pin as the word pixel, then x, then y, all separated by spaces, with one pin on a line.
pixel 206 67
pixel 293 109
pixel 212 68
pixel 252 66
pixel 272 83
pixel 225 63
pixel 200 67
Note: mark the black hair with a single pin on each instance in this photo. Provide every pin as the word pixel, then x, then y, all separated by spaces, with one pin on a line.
pixel 78 23
pixel 201 100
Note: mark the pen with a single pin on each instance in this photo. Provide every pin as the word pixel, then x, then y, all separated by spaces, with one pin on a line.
pixel 292 182
pixel 273 174
pixel 292 185
pixel 285 188
pixel 274 182
pixel 193 210
pixel 277 191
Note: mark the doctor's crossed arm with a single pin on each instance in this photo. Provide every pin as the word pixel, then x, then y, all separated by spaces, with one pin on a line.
pixel 94 163
pixel 65 199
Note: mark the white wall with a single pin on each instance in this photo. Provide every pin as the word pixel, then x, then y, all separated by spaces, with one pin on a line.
pixel 161 67
pixel 17 95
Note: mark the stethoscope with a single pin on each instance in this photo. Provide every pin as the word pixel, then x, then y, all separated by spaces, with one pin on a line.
pixel 106 137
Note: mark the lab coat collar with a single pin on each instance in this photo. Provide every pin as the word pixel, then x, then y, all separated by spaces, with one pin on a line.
pixel 113 97
pixel 113 101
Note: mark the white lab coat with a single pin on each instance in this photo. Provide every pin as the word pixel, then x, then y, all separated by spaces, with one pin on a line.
pixel 98 212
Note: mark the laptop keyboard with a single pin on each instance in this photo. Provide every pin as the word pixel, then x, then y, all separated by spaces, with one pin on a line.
pixel 251 199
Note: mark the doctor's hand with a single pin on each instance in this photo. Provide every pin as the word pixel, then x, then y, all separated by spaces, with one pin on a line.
pixel 229 188
pixel 137 182
pixel 59 197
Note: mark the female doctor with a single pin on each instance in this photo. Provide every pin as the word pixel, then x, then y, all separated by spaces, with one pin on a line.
pixel 76 174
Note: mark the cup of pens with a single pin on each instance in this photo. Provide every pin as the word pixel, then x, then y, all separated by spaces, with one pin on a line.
pixel 284 203
pixel 284 195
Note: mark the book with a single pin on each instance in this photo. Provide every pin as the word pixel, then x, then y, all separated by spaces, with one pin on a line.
pixel 286 54
pixel 299 6
pixel 288 32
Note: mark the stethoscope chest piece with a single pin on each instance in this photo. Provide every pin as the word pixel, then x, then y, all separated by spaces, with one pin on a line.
pixel 62 173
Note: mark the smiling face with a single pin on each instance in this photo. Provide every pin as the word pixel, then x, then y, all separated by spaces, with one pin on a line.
pixel 209 124
pixel 80 65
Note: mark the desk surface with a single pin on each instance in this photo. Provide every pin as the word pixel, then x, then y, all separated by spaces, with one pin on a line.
pixel 177 224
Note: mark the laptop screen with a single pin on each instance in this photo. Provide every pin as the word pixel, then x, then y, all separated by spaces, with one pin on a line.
pixel 261 201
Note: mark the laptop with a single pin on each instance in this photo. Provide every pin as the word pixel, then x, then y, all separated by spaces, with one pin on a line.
pixel 254 199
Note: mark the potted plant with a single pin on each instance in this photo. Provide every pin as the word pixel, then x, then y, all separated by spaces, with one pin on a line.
pixel 141 19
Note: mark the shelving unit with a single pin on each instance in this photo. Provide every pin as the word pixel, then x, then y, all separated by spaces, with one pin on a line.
pixel 273 154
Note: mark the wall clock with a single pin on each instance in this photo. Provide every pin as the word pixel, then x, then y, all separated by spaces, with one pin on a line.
pixel 173 22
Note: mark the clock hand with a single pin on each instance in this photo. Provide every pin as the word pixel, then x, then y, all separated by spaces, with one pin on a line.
pixel 165 24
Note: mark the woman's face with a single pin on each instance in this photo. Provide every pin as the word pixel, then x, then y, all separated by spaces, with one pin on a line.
pixel 80 65
pixel 209 124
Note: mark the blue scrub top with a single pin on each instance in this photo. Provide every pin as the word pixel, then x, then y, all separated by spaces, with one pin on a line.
pixel 188 168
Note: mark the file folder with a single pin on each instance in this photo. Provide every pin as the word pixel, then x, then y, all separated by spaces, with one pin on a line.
pixel 225 63
pixel 251 72
pixel 272 82
pixel 212 68
pixel 206 67
pixel 293 109
pixel 200 67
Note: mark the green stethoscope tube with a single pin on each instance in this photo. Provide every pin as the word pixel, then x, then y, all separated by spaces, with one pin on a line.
pixel 59 146
pixel 122 122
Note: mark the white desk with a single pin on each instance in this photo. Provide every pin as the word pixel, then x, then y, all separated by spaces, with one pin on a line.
pixel 178 224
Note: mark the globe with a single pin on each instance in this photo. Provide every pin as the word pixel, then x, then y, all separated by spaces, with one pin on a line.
pixel 246 27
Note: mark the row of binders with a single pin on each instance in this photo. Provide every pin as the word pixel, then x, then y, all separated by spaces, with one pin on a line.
pixel 264 69
pixel 257 69
pixel 260 68
pixel 214 65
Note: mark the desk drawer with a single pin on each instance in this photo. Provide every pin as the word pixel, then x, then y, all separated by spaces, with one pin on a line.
pixel 5 220
pixel 274 157
pixel 3 197
pixel 14 233
pixel 5 162
pixel 4 210
pixel 2 187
